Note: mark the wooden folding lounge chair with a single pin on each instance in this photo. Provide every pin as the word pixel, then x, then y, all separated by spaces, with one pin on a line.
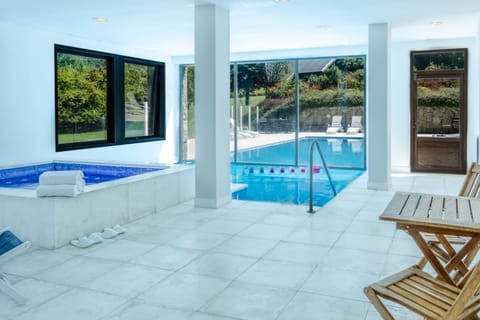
pixel 10 246
pixel 470 188
pixel 429 297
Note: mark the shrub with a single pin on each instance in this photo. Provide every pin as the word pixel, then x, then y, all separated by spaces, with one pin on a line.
pixel 318 99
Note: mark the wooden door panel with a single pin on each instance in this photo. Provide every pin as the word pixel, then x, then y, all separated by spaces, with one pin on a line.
pixel 438 155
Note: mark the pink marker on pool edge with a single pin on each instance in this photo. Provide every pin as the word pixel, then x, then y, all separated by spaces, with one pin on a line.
pixel 292 170
pixel 316 169
pixel 302 169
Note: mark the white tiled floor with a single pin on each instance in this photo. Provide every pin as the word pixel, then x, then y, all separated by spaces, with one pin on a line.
pixel 250 261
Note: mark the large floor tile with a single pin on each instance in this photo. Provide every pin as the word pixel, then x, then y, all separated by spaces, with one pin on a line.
pixel 285 219
pixel 78 270
pixel 186 291
pixel 35 291
pixel 306 306
pixel 128 280
pixel 224 226
pixel 356 260
pixel 156 235
pixel 384 229
pixel 122 250
pixel 267 231
pixel 220 265
pixel 248 301
pixel 313 236
pixel 246 246
pixel 298 252
pixel 277 274
pixel 77 304
pixel 199 240
pixel 333 282
pixel 363 242
pixel 168 257
pixel 34 261
pixel 137 310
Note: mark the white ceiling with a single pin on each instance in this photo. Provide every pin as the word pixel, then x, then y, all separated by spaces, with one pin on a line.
pixel 167 26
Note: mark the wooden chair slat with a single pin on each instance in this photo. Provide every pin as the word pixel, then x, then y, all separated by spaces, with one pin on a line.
pixel 444 295
pixel 421 296
pixel 388 294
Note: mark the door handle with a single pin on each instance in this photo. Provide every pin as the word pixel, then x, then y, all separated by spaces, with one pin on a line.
pixel 414 124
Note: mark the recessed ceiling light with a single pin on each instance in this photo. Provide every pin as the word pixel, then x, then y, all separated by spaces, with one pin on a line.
pixel 100 19
pixel 437 23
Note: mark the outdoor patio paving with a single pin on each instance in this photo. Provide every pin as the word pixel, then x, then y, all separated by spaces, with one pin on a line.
pixel 249 260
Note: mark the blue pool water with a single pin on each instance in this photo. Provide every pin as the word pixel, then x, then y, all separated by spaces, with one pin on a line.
pixel 338 152
pixel 27 176
pixel 290 184
pixel 286 186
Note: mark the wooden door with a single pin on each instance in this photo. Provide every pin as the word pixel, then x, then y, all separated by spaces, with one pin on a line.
pixel 439 111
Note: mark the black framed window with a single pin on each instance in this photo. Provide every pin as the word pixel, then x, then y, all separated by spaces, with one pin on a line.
pixel 105 99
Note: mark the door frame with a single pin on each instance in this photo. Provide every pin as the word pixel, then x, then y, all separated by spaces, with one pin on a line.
pixel 424 74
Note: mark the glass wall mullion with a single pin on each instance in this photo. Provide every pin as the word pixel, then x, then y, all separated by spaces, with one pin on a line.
pixel 297 115
pixel 235 113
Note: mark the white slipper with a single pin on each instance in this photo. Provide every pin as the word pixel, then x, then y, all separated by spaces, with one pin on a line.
pixel 82 242
pixel 109 233
pixel 96 237
pixel 119 229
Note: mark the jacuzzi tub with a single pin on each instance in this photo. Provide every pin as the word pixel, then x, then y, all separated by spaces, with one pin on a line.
pixel 52 222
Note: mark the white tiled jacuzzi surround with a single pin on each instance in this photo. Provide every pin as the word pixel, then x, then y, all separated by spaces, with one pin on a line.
pixel 53 222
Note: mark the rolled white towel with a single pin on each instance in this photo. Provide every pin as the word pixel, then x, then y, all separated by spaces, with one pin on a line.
pixel 60 190
pixel 61 177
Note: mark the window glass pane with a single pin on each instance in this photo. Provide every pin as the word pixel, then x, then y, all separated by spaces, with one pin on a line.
pixel 435 61
pixel 140 104
pixel 188 113
pixel 438 107
pixel 81 98
pixel 332 105
pixel 266 112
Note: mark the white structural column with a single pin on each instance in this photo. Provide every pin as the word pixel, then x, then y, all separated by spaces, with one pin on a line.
pixel 378 107
pixel 212 79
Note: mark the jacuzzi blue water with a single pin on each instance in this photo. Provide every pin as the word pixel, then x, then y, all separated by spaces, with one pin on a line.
pixel 27 176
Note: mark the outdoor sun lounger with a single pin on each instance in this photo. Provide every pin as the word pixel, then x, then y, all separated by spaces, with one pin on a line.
pixel 10 246
pixel 336 125
pixel 356 125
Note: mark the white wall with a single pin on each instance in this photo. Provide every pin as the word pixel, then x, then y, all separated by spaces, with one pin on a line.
pixel 400 96
pixel 27 101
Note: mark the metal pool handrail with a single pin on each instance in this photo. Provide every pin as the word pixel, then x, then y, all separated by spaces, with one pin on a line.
pixel 315 143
